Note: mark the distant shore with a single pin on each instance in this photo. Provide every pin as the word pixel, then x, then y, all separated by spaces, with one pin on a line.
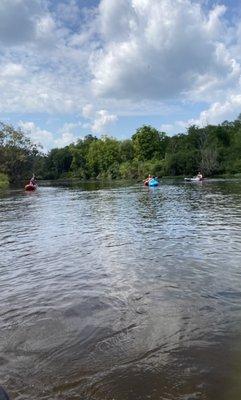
pixel 4 181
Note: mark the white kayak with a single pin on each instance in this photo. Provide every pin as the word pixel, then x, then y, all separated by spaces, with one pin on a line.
pixel 193 179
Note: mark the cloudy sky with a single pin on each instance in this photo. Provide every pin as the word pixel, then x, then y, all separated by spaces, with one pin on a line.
pixel 73 67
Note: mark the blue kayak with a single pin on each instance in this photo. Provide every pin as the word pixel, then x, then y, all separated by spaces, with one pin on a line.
pixel 153 182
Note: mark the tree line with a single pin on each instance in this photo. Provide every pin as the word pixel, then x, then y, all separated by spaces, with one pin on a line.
pixel 213 149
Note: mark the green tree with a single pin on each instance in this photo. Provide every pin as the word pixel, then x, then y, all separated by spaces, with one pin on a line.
pixel 182 162
pixel 58 162
pixel 79 153
pixel 126 150
pixel 17 153
pixel 149 143
pixel 104 157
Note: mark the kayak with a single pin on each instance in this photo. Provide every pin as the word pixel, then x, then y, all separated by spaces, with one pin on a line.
pixel 153 182
pixel 30 188
pixel 193 179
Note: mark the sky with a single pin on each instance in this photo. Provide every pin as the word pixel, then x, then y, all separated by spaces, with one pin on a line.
pixel 69 68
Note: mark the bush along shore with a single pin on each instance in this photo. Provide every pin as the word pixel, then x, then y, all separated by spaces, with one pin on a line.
pixel 4 182
pixel 215 150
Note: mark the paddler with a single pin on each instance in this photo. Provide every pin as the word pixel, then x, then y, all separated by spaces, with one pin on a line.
pixel 33 181
pixel 147 180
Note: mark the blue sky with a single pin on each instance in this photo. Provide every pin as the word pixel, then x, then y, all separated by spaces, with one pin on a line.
pixel 73 67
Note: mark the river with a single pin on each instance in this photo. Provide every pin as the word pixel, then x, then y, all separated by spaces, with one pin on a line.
pixel 122 292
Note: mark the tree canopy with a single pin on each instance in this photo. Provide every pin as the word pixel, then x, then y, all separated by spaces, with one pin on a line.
pixel 17 153
pixel 214 149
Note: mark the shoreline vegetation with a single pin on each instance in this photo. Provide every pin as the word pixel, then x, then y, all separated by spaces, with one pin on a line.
pixel 73 181
pixel 215 150
pixel 4 182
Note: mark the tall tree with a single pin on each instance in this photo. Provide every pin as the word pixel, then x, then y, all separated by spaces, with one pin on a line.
pixel 148 143
pixel 17 153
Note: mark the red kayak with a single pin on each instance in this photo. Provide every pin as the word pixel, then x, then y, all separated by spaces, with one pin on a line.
pixel 30 188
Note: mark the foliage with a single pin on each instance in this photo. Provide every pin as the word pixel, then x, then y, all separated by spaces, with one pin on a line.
pixel 58 162
pixel 148 143
pixel 182 162
pixel 4 182
pixel 214 149
pixel 103 158
pixel 17 153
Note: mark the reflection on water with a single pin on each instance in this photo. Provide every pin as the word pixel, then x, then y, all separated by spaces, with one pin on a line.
pixel 121 293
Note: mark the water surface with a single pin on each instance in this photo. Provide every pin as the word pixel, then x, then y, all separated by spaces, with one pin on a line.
pixel 121 293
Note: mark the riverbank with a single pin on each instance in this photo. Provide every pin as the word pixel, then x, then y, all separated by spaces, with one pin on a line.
pixel 91 184
pixel 4 182
pixel 73 181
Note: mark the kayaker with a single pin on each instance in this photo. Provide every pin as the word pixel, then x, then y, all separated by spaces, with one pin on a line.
pixel 199 176
pixel 33 181
pixel 147 179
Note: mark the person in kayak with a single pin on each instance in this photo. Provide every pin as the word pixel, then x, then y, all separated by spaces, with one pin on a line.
pixel 33 181
pixel 147 180
pixel 199 176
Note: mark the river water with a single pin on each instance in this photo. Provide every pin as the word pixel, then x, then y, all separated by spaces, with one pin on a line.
pixel 121 293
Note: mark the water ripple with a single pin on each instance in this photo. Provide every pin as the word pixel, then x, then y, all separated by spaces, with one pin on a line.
pixel 121 293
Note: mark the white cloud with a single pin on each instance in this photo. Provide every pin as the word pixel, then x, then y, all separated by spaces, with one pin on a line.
pixel 175 127
pixel 69 12
pixel 115 19
pixel 99 119
pixel 216 113
pixel 158 50
pixel 46 139
pixel 39 136
pixel 219 111
pixel 67 134
pixel 38 90
pixel 11 71
pixel 88 111
pixel 130 57
pixel 45 27
pixel 70 126
pixel 18 21
pixel 215 25
pixel 65 139
pixel 55 78
pixel 102 120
